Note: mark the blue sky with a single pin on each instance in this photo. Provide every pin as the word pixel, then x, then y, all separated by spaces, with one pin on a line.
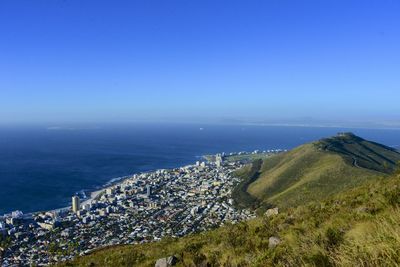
pixel 83 61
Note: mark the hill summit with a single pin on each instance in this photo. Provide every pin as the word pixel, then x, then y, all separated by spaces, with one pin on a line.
pixel 361 153
pixel 315 170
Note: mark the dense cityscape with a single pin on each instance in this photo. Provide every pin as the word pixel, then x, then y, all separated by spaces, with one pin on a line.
pixel 145 207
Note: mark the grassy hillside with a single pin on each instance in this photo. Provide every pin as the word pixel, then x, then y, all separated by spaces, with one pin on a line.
pixel 358 227
pixel 316 170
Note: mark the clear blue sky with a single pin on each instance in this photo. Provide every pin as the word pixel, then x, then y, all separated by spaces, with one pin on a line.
pixel 98 60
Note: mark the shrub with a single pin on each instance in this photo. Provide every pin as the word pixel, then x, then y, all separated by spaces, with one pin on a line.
pixel 393 197
pixel 333 237
pixel 320 259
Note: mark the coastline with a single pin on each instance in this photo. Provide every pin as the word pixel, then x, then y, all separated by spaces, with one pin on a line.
pixel 198 191
pixel 112 182
pixel 94 194
pixel 97 192
pixel 56 189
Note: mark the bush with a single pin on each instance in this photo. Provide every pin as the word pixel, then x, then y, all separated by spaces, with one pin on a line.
pixel 333 237
pixel 393 197
pixel 320 259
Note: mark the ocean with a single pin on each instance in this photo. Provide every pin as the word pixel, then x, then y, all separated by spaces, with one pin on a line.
pixel 42 167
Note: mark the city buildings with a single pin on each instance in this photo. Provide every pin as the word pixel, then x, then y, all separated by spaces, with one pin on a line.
pixel 75 204
pixel 143 208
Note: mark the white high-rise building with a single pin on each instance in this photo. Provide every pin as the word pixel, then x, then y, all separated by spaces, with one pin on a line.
pixel 148 193
pixel 17 214
pixel 87 207
pixel 219 160
pixel 75 203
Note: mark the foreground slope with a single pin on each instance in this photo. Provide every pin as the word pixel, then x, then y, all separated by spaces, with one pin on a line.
pixel 313 171
pixel 358 227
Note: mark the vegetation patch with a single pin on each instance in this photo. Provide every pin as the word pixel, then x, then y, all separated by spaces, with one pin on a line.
pixel 248 175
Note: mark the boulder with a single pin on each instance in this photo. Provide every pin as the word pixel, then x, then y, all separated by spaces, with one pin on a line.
pixel 166 262
pixel 273 241
pixel 272 212
pixel 361 209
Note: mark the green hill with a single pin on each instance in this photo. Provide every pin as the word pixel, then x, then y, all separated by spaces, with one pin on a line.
pixel 314 171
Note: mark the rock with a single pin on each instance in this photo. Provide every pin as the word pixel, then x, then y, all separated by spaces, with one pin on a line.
pixel 283 226
pixel 272 212
pixel 166 262
pixel 361 209
pixel 273 241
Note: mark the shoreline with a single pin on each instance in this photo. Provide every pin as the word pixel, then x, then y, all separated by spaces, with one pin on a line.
pixel 139 207
pixel 96 192
pixel 93 194
pixel 112 182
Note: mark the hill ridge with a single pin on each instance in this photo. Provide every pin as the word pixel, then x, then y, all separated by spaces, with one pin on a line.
pixel 324 167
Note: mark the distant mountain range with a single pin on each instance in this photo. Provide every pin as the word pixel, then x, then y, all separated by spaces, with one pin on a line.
pixel 375 123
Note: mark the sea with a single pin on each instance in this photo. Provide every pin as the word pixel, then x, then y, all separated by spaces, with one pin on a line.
pixel 41 167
